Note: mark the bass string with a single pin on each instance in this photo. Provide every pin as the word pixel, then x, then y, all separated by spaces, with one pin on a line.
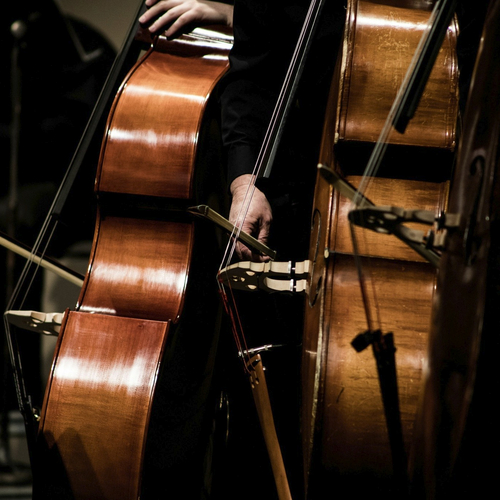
pixel 273 132
pixel 265 158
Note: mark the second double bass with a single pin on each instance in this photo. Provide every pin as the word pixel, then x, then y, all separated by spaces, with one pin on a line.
pixel 348 445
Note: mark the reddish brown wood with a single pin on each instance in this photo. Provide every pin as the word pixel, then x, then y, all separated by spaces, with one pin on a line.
pixel 345 442
pixel 430 196
pixel 98 401
pixel 153 129
pixel 353 434
pixel 385 37
pixel 99 397
pixel 139 268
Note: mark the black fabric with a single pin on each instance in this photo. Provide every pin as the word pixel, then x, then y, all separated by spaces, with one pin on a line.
pixel 265 35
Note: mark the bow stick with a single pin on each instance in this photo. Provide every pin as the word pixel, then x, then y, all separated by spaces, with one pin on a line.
pixel 49 264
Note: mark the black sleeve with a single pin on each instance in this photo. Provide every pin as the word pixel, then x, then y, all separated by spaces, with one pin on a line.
pixel 265 34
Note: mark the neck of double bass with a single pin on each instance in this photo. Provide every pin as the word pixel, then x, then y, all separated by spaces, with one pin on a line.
pixel 263 405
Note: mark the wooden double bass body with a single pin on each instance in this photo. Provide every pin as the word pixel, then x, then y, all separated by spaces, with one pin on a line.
pixel 145 327
pixel 345 437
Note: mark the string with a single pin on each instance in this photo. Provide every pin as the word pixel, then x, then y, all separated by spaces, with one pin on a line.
pixel 263 164
pixel 274 130
pixel 30 262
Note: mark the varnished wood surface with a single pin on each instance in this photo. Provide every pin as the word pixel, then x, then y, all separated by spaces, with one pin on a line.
pixel 345 440
pixel 152 136
pixel 385 37
pixel 457 420
pixel 139 268
pixel 431 196
pixel 97 406
pixel 354 435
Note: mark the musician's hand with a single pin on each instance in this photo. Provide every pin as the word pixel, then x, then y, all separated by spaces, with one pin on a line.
pixel 257 221
pixel 174 15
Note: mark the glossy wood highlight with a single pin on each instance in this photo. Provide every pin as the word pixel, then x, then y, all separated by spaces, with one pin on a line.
pixel 98 403
pixel 385 37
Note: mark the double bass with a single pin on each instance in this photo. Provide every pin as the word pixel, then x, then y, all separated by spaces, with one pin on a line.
pixel 130 390
pixel 455 422
pixel 357 423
